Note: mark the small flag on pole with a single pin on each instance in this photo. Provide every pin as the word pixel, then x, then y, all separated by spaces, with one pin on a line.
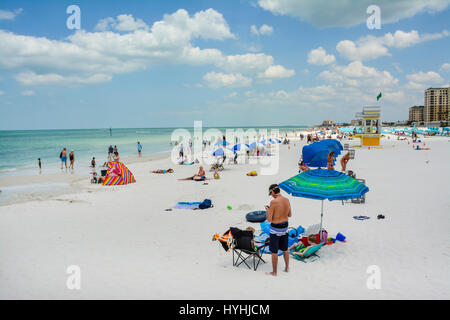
pixel 379 96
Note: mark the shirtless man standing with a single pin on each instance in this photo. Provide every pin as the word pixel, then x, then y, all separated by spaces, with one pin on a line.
pixel 278 214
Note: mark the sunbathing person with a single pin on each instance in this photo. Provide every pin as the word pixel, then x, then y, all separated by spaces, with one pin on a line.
pixel 200 176
pixel 299 247
pixel 330 160
pixel 303 167
pixel 419 148
pixel 344 161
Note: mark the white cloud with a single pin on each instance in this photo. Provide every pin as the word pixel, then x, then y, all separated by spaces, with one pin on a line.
pixel 9 15
pixel 445 67
pixel 363 51
pixel 320 57
pixel 248 63
pixel 31 78
pixel 358 75
pixel 94 57
pixel 425 77
pixel 123 22
pixel 325 13
pixel 370 47
pixel 27 93
pixel 421 80
pixel 233 80
pixel 276 71
pixel 264 30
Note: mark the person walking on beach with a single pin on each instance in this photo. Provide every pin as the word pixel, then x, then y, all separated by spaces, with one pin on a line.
pixel 93 163
pixel 110 152
pixel 63 157
pixel 39 164
pixel 72 159
pixel 139 147
pixel 278 214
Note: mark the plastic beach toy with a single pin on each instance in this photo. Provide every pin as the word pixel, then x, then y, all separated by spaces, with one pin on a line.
pixel 340 237
pixel 229 207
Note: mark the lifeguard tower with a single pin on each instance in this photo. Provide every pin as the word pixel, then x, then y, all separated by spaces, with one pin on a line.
pixel 371 133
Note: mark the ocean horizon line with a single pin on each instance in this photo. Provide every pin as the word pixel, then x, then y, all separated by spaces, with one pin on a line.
pixel 180 127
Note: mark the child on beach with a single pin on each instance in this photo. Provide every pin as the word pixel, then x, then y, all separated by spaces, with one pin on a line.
pixel 330 160
pixel 299 247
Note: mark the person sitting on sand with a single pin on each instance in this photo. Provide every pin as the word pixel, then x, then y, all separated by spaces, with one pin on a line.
pixel 344 161
pixel 330 160
pixel 200 176
pixel 116 157
pixel 303 167
pixel 299 247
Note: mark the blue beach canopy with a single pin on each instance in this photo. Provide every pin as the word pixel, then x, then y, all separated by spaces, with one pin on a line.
pixel 321 184
pixel 315 154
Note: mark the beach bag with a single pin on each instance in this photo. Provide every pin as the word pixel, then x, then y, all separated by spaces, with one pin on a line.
pixel 205 204
pixel 323 235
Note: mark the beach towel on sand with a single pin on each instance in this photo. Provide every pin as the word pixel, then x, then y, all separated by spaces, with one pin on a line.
pixel 205 204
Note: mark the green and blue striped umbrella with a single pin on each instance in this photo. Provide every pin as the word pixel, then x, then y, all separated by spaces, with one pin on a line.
pixel 324 184
pixel 321 184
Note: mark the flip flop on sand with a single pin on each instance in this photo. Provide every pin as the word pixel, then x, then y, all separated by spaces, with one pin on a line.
pixel 361 217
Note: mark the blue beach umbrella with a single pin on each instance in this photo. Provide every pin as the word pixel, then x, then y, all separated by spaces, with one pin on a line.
pixel 222 151
pixel 240 146
pixel 252 145
pixel 315 154
pixel 222 143
pixel 321 184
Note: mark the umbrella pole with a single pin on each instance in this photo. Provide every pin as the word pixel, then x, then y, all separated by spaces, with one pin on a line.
pixel 321 217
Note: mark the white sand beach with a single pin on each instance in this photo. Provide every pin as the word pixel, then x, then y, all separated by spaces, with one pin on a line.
pixel 128 247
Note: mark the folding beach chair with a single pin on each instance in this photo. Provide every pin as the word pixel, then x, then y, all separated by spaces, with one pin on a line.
pixel 345 146
pixel 309 254
pixel 245 249
pixel 352 153
pixel 363 198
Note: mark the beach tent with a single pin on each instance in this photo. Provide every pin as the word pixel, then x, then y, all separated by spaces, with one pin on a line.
pixel 321 184
pixel 118 174
pixel 315 154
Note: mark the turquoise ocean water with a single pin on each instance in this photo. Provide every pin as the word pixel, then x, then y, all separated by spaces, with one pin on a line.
pixel 19 150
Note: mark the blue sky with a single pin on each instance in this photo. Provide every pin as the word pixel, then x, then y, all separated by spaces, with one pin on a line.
pixel 228 63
